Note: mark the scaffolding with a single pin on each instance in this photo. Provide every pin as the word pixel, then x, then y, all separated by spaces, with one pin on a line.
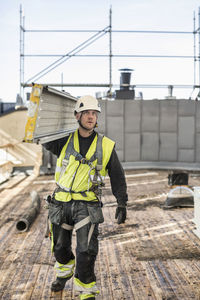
pixel 97 34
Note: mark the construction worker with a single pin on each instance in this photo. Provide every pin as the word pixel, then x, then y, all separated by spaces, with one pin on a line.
pixel 84 159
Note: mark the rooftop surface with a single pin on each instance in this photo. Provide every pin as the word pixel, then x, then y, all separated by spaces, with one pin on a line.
pixel 154 255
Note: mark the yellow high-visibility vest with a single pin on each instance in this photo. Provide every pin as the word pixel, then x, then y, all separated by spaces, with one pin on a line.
pixel 74 174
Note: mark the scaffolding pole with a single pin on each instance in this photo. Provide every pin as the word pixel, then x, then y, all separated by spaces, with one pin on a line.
pixel 194 39
pixel 68 55
pixel 181 86
pixel 99 34
pixel 22 56
pixel 110 54
pixel 21 62
pixel 198 30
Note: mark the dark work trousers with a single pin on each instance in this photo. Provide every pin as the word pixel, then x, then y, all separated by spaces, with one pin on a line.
pixel 75 211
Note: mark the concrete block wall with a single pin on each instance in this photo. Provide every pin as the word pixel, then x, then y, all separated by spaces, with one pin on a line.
pixel 153 130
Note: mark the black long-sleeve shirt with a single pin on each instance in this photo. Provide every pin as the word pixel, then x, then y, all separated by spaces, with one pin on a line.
pixel 115 170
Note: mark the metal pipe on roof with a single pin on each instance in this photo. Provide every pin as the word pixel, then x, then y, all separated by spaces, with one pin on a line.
pixel 28 218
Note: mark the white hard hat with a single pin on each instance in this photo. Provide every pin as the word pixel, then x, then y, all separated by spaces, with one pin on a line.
pixel 87 103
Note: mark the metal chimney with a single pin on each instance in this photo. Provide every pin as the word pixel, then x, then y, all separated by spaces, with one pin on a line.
pixel 125 79
pixel 125 92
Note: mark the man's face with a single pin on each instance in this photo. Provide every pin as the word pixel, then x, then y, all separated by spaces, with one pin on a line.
pixel 88 118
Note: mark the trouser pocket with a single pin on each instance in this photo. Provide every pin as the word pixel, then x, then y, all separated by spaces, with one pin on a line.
pixel 95 213
pixel 56 213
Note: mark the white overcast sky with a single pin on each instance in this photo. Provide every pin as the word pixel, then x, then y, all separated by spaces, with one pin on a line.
pixel 165 15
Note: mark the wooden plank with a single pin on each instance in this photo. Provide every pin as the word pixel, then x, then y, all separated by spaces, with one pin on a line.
pixel 24 261
pixel 6 197
pixel 14 181
pixel 46 292
pixel 155 290
pixel 182 287
pixel 39 283
pixel 103 280
pixel 28 283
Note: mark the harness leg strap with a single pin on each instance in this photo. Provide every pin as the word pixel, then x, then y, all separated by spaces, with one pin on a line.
pixel 67 226
pixel 90 232
pixel 79 225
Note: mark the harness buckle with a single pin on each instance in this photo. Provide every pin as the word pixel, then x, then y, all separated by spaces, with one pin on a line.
pixel 84 161
pixel 98 167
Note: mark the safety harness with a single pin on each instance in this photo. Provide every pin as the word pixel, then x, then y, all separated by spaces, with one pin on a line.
pixel 79 225
pixel 96 180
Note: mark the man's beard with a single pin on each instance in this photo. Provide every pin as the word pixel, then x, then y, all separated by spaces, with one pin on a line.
pixel 89 130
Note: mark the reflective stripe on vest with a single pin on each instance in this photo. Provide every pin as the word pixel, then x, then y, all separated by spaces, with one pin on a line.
pixel 74 174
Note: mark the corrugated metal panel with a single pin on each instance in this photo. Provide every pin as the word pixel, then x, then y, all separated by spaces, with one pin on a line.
pixel 50 115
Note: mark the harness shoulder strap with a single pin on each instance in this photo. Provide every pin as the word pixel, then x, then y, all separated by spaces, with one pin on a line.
pixel 98 153
pixel 99 150
pixel 69 151
pixel 70 148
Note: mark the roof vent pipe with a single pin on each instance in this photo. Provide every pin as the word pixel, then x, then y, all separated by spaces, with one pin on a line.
pixel 170 90
pixel 125 79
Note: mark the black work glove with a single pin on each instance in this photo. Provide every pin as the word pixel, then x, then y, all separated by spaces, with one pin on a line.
pixel 120 214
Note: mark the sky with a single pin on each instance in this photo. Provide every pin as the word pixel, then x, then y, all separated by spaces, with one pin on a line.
pixel 153 15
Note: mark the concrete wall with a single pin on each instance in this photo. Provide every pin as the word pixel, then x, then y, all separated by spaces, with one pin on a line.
pixel 154 132
pixel 148 134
